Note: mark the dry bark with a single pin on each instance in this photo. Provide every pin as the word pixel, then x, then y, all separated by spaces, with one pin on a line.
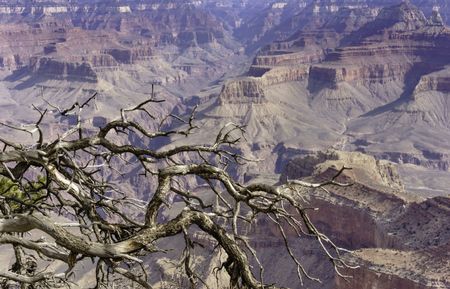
pixel 73 166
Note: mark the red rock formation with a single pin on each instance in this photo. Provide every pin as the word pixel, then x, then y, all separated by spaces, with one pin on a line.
pixel 405 233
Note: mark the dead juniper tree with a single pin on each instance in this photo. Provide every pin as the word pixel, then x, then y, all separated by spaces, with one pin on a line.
pixel 59 188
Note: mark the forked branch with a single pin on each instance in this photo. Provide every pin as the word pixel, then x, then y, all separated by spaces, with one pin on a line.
pixel 62 187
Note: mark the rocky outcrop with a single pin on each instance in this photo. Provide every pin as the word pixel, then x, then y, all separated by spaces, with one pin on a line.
pixel 251 89
pixel 331 75
pixel 378 51
pixel 62 70
pixel 120 55
pixel 195 38
pixel 437 82
pixel 383 268
pixel 426 158
pixel 242 91
pixel 130 55
pixel 289 58
pixel 365 168
pixel 362 203
pixel 11 62
pixel 284 74
pixel 98 60
pixel 403 232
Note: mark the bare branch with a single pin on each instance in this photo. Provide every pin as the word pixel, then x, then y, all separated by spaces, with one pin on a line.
pixel 84 175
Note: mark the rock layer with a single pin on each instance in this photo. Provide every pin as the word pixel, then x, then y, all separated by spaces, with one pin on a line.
pixel 394 233
pixel 381 75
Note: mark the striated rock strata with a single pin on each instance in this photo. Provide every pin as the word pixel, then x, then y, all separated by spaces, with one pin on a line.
pixel 58 69
pixel 394 233
pixel 172 40
pixel 384 268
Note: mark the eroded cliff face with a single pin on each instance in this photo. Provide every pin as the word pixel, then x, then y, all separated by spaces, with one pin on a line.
pixel 399 40
pixel 377 189
pixel 242 91
pixel 365 168
pixel 439 82
pixel 376 76
pixel 251 89
pixel 63 70
pixel 394 233
pixel 384 268
pixel 173 39
pixel 399 240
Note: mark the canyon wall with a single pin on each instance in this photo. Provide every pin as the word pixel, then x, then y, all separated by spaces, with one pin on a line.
pixel 62 70
pixel 393 233
pixel 365 278
pixel 172 40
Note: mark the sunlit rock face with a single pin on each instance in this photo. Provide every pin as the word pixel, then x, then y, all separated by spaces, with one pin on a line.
pixel 393 233
pixel 108 35
pixel 380 72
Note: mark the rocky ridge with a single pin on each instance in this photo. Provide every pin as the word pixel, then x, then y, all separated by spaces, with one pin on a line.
pixel 349 75
pixel 129 37
pixel 377 83
pixel 401 233
pixel 375 217
pixel 67 50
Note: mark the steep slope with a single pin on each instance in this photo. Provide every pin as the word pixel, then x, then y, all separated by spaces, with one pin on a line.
pixel 280 19
pixel 394 233
pixel 397 66
pixel 391 51
pixel 363 79
pixel 420 123
pixel 374 216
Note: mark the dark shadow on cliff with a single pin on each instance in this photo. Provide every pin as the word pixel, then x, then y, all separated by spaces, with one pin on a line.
pixel 27 79
pixel 18 74
pixel 412 78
